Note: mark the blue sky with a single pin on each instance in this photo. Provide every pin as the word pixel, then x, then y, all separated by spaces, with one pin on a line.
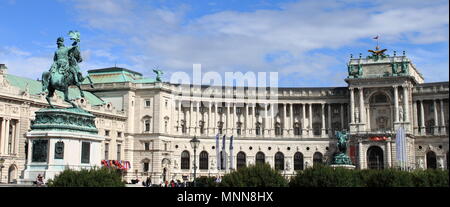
pixel 308 42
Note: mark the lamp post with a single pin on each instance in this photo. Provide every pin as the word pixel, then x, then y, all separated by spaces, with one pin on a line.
pixel 194 144
pixel 2 160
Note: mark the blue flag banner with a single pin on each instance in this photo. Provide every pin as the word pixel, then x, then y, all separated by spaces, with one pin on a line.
pixel 400 142
pixel 218 152
pixel 224 153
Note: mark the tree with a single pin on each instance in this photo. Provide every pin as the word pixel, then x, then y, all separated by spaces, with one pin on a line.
pixel 95 177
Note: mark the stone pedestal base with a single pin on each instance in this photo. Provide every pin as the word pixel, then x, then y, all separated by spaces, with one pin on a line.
pixel 351 167
pixel 57 140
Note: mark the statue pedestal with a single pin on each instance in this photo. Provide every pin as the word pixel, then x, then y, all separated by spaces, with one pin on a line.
pixel 351 167
pixel 62 139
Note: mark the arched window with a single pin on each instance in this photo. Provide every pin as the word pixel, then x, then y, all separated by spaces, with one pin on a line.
pixel 375 158
pixel 147 123
pixel 203 160
pixel 279 161
pixel 146 164
pixel 185 159
pixel 297 129
pixel 431 160
pixel 298 161
pixel 278 129
pixel 317 158
pixel 258 129
pixel 260 158
pixel 241 160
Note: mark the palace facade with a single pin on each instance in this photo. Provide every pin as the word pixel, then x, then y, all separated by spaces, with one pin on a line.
pixel 150 123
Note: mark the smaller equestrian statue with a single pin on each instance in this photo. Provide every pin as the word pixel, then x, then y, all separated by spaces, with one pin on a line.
pixel 341 157
pixel 64 71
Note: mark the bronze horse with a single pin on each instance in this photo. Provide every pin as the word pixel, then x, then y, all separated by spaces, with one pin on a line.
pixel 64 72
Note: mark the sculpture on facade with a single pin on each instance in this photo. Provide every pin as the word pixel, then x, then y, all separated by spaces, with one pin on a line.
pixel 341 158
pixel 64 71
pixel 400 113
pixel 357 115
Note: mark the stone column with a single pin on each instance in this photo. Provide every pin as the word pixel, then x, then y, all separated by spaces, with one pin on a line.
pixel 253 122
pixel 247 128
pixel 352 106
pixel 360 155
pixel 330 128
pixel 235 120
pixel 272 128
pixel 179 118
pixel 2 136
pixel 436 118
pixel 191 109
pixel 415 118
pixel 323 119
pixel 6 139
pixel 228 118
pixel 197 120
pixel 443 131
pixel 310 121
pixel 209 128
pixel 362 111
pixel 406 102
pixel 396 103
pixel 389 155
pixel 422 118
pixel 266 120
pixel 342 116
pixel 285 126
pixel 303 120
pixel 291 123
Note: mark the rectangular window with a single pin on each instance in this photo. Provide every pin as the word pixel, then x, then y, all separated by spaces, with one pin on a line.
pixel 118 151
pixel 146 146
pixel 107 133
pixel 40 151
pixel 85 152
pixel 147 103
pixel 145 166
pixel 119 134
pixel 106 151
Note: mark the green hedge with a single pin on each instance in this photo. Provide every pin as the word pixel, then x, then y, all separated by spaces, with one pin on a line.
pixel 206 181
pixel 260 175
pixel 97 177
pixel 324 176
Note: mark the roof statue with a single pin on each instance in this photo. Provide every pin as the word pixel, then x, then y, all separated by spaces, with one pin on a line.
pixel 158 74
pixel 64 71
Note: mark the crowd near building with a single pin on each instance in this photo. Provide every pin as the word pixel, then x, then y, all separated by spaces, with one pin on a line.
pixel 149 123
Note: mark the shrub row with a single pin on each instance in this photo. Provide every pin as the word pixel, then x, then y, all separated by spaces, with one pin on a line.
pixel 96 177
pixel 325 176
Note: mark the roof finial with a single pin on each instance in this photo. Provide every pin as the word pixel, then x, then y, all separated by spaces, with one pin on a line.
pixel 404 53
pixel 351 56
pixel 395 53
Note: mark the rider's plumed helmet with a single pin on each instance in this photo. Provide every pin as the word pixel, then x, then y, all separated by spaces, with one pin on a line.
pixel 60 40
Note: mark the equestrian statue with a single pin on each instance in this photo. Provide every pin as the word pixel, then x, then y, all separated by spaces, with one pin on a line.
pixel 341 158
pixel 64 71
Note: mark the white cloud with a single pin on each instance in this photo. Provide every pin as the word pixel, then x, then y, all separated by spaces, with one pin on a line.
pixel 231 40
